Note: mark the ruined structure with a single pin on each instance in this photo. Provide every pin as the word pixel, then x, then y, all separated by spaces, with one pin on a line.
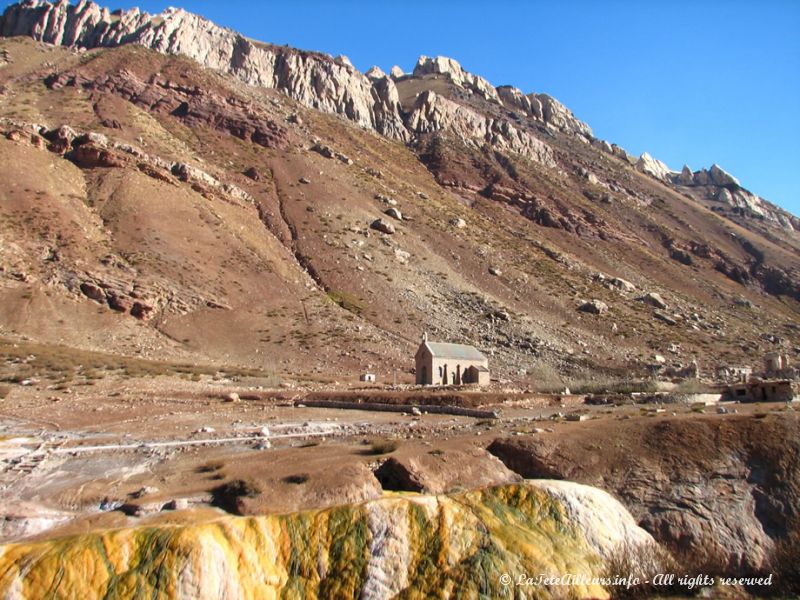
pixel 439 363
pixel 757 390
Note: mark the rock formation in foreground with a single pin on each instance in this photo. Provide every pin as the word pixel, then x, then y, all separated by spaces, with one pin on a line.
pixel 415 544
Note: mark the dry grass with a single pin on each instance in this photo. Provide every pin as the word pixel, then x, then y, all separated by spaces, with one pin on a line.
pixel 692 386
pixel 65 366
pixel 610 385
pixel 644 564
pixel 784 563
pixel 383 446
pixel 347 301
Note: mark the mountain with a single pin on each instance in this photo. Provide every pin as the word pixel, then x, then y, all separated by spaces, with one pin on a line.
pixel 172 189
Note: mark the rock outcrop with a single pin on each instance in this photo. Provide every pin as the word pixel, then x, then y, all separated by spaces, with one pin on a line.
pixel 559 116
pixel 436 472
pixel 654 167
pixel 718 185
pixel 434 113
pixel 190 104
pixel 714 492
pixel 546 109
pixel 452 70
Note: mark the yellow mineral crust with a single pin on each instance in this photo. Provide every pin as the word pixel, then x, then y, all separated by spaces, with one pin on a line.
pixel 456 545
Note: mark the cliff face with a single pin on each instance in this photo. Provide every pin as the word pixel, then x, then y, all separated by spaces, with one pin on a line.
pixel 715 492
pixel 316 80
pixel 422 545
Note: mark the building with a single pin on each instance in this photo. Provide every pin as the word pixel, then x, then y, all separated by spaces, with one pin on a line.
pixel 367 377
pixel 440 363
pixel 740 374
pixel 757 390
pixel 775 362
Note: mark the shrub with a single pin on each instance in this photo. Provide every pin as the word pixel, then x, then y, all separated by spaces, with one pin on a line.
pixel 383 446
pixel 296 479
pixel 643 563
pixel 546 378
pixel 228 495
pixel 784 562
pixel 692 386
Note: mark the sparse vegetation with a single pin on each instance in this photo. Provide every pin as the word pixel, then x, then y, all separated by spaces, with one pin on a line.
pixel 297 479
pixel 4 391
pixel 784 562
pixel 210 467
pixel 228 495
pixel 644 564
pixel 610 385
pixel 64 365
pixel 347 301
pixel 546 378
pixel 383 446
pixel 692 386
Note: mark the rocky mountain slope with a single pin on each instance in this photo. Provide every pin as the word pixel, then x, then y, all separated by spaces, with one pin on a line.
pixel 172 188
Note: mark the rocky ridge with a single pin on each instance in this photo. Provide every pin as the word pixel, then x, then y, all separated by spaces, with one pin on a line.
pixel 314 79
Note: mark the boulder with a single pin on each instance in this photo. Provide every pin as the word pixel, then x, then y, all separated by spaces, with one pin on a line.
pixel 662 316
pixel 653 299
pixel 595 307
pixel 253 174
pixel 394 213
pixel 324 150
pixel 176 504
pixel 90 137
pixel 401 255
pixel 89 156
pixel 458 223
pixel 118 302
pixel 682 256
pixel 622 285
pixel 386 199
pixel 382 226
pixel 141 310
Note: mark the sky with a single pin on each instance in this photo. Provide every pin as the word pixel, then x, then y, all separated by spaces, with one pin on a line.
pixel 690 82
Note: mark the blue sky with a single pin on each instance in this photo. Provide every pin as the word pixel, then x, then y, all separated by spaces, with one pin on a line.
pixel 689 82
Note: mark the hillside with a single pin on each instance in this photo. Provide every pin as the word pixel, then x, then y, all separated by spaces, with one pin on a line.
pixel 172 190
